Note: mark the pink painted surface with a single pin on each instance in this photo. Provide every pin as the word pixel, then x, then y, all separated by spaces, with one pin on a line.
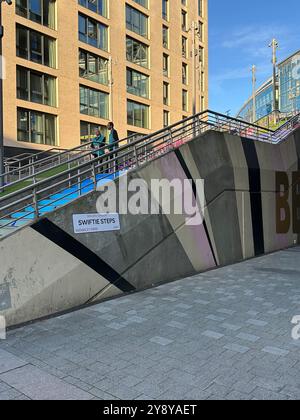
pixel 170 169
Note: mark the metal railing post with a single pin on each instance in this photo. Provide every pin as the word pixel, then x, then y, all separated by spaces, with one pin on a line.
pixel 94 176
pixel 170 145
pixel 79 180
pixel 35 199
pixel 69 175
pixel 136 156
pixel 31 167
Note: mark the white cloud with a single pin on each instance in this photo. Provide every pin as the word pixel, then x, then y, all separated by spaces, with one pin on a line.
pixel 251 37
pixel 240 73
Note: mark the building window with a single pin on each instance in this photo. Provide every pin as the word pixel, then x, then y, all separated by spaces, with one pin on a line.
pixel 201 54
pixel 137 114
pixel 133 136
pixel 137 83
pixel 166 88
pixel 143 3
pixel 184 47
pixel 136 21
pixel 200 7
pixel 93 67
pixel 94 103
pixel 92 32
pixel 165 9
pixel 36 127
pixel 39 11
pixel 36 87
pixel 137 52
pixel 185 100
pixel 200 31
pixel 88 131
pixel 166 116
pixel 166 65
pixel 184 20
pixel 184 74
pixel 97 6
pixel 165 36
pixel 36 47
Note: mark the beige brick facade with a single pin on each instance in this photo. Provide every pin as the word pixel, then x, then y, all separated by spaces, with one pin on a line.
pixel 66 71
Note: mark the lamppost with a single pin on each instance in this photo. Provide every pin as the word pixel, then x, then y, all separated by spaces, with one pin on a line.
pixel 274 45
pixel 9 2
pixel 196 33
pixel 254 94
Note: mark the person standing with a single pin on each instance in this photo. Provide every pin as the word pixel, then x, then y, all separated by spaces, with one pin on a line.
pixel 113 137
pixel 98 144
pixel 113 142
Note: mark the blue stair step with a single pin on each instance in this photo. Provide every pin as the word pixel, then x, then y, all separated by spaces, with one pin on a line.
pixel 13 223
pixel 47 209
pixel 86 183
pixel 60 199
pixel 104 176
pixel 57 203
pixel 86 190
pixel 64 195
pixel 22 215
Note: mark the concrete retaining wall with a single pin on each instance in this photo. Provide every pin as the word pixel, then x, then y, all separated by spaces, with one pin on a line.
pixel 46 268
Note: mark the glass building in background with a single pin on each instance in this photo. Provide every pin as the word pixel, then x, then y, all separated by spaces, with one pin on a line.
pixel 288 93
pixel 289 87
pixel 264 103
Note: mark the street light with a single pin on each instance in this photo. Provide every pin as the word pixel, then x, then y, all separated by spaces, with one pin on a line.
pixel 196 33
pixel 254 94
pixel 9 2
pixel 274 45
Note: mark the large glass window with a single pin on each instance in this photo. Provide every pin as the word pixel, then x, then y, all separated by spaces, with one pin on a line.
pixel 165 9
pixel 36 127
pixel 137 83
pixel 166 60
pixel 36 47
pixel 184 100
pixel 88 131
pixel 40 11
pixel 97 6
pixel 137 114
pixel 94 103
pixel 166 94
pixel 36 87
pixel 92 32
pixel 143 3
pixel 165 36
pixel 93 67
pixel 137 52
pixel 289 86
pixel 136 21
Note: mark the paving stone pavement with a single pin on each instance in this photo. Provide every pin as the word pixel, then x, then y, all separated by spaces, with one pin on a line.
pixel 224 334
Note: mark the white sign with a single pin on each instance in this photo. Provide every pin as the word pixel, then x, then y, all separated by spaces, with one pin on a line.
pixel 91 223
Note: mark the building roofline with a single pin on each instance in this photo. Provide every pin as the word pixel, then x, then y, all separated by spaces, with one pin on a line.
pixel 288 58
pixel 259 90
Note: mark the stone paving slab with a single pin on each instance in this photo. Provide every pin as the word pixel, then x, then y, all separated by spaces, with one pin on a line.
pixel 224 334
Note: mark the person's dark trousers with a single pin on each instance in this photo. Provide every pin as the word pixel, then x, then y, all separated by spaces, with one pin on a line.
pixel 114 165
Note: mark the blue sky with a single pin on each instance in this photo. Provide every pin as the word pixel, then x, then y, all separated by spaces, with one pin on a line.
pixel 239 34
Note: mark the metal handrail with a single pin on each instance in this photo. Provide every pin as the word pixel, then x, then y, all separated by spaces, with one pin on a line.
pixel 63 152
pixel 142 140
pixel 127 157
pixel 31 167
pixel 24 156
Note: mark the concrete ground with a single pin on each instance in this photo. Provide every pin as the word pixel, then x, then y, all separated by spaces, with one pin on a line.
pixel 225 334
